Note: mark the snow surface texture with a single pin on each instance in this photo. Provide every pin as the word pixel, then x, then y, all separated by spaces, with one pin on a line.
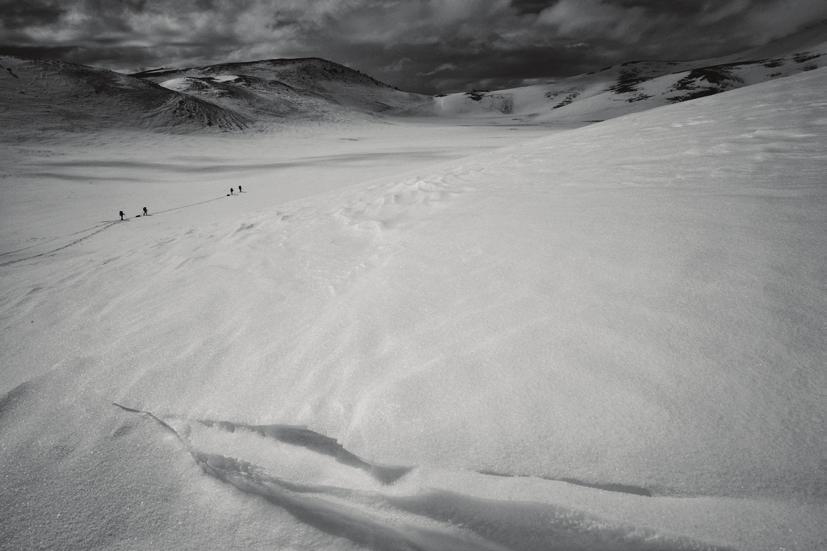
pixel 607 338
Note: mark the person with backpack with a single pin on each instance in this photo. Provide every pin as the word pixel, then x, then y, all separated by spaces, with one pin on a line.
pixel 122 215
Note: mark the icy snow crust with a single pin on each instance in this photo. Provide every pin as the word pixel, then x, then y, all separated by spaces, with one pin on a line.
pixel 606 338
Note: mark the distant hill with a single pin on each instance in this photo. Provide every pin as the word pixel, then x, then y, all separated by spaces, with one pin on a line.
pixel 640 85
pixel 309 87
pixel 55 96
pixel 46 95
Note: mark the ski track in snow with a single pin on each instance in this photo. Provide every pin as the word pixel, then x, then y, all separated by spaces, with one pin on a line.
pixel 92 232
pixel 381 516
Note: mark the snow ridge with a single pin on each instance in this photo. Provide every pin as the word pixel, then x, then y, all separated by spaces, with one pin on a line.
pixel 381 510
pixel 314 442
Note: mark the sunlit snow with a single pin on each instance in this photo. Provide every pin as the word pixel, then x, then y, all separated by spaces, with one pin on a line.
pixel 413 335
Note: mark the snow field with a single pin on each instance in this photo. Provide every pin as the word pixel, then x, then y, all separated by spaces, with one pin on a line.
pixel 608 338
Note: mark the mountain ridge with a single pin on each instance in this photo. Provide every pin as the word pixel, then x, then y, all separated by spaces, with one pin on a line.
pixel 634 86
pixel 311 86
pixel 54 95
pixel 165 71
pixel 59 96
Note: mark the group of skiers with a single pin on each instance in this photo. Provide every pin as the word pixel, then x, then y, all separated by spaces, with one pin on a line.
pixel 145 213
pixel 145 210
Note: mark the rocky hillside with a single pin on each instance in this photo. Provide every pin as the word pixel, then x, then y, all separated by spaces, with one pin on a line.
pixel 54 96
pixel 283 87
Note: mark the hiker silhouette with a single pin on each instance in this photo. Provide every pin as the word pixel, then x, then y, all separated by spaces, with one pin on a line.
pixel 146 211
pixel 121 213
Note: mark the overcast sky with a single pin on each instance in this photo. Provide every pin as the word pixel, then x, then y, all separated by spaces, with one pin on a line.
pixel 418 45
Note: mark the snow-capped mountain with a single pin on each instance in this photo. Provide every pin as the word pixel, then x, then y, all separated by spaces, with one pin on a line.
pixel 283 87
pixel 60 96
pixel 640 85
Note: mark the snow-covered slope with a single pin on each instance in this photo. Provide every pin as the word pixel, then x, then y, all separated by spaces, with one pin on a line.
pixel 640 85
pixel 282 87
pixel 54 96
pixel 611 338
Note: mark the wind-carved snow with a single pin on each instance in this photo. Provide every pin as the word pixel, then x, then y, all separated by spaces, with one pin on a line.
pixel 321 483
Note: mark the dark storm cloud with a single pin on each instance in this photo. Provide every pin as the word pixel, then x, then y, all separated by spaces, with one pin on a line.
pixel 423 45
pixel 32 12
pixel 38 52
pixel 531 6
